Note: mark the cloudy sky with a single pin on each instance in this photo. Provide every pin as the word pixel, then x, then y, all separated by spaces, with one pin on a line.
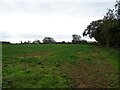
pixel 36 19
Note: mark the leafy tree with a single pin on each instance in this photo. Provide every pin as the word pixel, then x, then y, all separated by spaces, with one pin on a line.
pixel 36 42
pixel 107 30
pixel 111 26
pixel 25 42
pixel 93 30
pixel 29 42
pixel 117 10
pixel 76 38
pixel 49 40
pixel 63 42
pixel 21 41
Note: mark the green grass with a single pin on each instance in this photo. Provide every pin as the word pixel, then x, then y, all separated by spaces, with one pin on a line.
pixel 56 65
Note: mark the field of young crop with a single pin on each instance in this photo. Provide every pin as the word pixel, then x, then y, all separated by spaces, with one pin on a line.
pixel 59 66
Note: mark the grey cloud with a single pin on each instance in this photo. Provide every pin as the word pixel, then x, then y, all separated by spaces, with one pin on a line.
pixel 62 36
pixel 5 35
pixel 80 9
pixel 29 35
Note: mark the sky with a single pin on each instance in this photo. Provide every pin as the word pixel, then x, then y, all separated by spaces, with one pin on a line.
pixel 35 19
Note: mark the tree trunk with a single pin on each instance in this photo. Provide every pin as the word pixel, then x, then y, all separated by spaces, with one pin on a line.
pixel 108 41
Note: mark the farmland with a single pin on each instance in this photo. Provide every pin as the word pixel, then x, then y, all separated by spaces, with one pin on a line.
pixel 59 66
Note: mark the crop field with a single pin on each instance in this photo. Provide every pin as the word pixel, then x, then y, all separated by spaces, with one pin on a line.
pixel 59 66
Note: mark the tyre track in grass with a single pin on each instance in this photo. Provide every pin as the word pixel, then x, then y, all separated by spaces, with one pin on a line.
pixel 96 73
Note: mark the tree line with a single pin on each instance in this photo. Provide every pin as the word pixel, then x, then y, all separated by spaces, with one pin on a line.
pixel 106 31
pixel 49 40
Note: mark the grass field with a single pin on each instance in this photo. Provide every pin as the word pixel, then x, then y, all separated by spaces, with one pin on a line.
pixel 59 66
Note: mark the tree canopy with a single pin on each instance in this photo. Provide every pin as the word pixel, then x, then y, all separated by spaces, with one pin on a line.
pixel 76 38
pixel 107 30
pixel 49 40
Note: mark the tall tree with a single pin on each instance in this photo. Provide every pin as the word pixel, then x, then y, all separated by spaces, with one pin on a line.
pixel 76 38
pixel 107 30
pixel 93 31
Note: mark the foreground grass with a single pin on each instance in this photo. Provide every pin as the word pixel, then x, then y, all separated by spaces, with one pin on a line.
pixel 59 66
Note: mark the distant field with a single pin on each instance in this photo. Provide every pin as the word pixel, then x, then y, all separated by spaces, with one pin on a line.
pixel 59 66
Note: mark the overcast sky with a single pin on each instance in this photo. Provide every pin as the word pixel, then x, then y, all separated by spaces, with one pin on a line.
pixel 36 19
